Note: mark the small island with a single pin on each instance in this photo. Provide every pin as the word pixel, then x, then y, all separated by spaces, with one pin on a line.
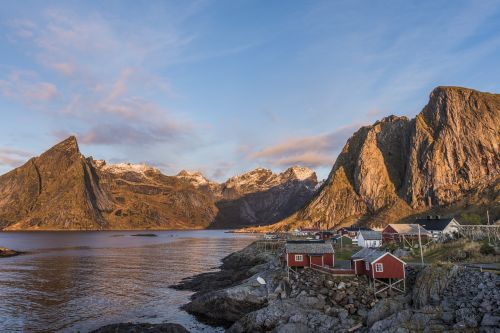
pixel 144 235
pixel 5 252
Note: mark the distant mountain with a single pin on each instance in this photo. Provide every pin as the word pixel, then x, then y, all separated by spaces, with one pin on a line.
pixel 445 159
pixel 261 197
pixel 63 190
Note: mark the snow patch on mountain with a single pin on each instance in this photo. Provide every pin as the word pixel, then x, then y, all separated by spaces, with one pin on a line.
pixel 126 167
pixel 194 177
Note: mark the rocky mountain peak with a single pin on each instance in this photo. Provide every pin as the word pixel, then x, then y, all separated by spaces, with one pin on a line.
pixel 196 178
pixel 299 173
pixel 67 147
pixel 392 119
pixel 447 155
pixel 183 173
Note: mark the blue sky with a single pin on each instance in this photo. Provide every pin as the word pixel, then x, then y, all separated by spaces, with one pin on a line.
pixel 227 86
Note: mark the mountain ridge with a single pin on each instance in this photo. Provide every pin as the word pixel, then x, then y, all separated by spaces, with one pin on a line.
pixel 63 190
pixel 446 156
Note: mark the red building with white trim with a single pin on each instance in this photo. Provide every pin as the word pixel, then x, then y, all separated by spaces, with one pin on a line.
pixel 378 265
pixel 309 254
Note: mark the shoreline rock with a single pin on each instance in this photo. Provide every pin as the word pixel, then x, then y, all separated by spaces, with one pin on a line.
pixel 5 252
pixel 142 328
pixel 438 298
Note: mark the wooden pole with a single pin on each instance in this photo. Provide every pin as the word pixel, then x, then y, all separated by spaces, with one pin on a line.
pixel 488 218
pixel 420 245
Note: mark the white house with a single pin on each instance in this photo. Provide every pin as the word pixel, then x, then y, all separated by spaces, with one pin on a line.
pixel 369 238
pixel 439 227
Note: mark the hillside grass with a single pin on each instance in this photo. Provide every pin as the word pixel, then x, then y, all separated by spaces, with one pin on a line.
pixel 345 252
pixel 459 251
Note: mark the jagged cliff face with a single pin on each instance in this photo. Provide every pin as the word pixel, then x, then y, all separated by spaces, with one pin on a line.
pixel 58 189
pixel 454 146
pixel 447 155
pixel 63 190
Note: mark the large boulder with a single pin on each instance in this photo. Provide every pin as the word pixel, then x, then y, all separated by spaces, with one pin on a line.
pixel 285 316
pixel 385 308
pixel 230 304
pixel 430 284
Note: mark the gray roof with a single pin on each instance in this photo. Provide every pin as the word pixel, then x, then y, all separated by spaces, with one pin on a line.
pixel 310 248
pixel 371 235
pixel 368 254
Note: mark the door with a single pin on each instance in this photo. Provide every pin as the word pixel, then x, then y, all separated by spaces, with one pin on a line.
pixel 317 260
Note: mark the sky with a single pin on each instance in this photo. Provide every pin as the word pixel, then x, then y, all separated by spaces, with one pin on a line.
pixel 226 86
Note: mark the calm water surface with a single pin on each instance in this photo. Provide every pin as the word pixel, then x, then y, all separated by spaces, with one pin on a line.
pixel 79 281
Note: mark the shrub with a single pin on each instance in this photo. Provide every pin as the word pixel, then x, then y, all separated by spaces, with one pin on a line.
pixel 391 247
pixel 486 248
pixel 470 218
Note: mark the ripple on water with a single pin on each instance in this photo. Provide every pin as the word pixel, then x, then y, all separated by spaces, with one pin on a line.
pixel 93 279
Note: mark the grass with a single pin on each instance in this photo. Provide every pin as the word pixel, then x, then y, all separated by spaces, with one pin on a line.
pixel 462 250
pixel 345 252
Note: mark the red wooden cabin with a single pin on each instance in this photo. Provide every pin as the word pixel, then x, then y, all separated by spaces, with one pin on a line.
pixel 378 264
pixel 309 253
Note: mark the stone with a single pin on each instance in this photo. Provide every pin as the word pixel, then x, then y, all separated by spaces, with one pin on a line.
pixel 447 317
pixel 383 309
pixel 142 328
pixel 490 320
pixel 292 328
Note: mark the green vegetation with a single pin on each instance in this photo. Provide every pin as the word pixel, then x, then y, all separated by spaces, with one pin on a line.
pixel 346 251
pixel 470 218
pixel 390 247
pixel 486 248
pixel 462 250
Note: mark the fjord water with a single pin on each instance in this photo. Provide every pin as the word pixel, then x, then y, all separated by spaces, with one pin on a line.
pixel 79 281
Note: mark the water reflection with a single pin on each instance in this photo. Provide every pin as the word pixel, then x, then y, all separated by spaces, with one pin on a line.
pixel 81 281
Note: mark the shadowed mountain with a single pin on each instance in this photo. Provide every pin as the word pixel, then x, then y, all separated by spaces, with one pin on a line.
pixel 261 197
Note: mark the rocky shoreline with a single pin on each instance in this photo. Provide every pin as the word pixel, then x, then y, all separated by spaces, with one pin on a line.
pixel 442 298
pixel 142 328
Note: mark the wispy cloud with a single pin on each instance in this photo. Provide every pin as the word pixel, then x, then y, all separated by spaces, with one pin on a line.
pixel 127 134
pixel 26 87
pixel 312 151
pixel 13 157
pixel 105 76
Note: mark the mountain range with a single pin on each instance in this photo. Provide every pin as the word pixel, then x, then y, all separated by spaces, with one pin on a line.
pixel 445 160
pixel 63 190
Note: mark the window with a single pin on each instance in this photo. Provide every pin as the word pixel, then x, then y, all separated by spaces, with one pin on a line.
pixel 299 257
pixel 379 267
pixel 367 265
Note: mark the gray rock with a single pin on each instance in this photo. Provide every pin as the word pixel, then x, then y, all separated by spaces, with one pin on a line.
pixel 142 328
pixel 383 309
pixel 490 320
pixel 467 316
pixel 292 328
